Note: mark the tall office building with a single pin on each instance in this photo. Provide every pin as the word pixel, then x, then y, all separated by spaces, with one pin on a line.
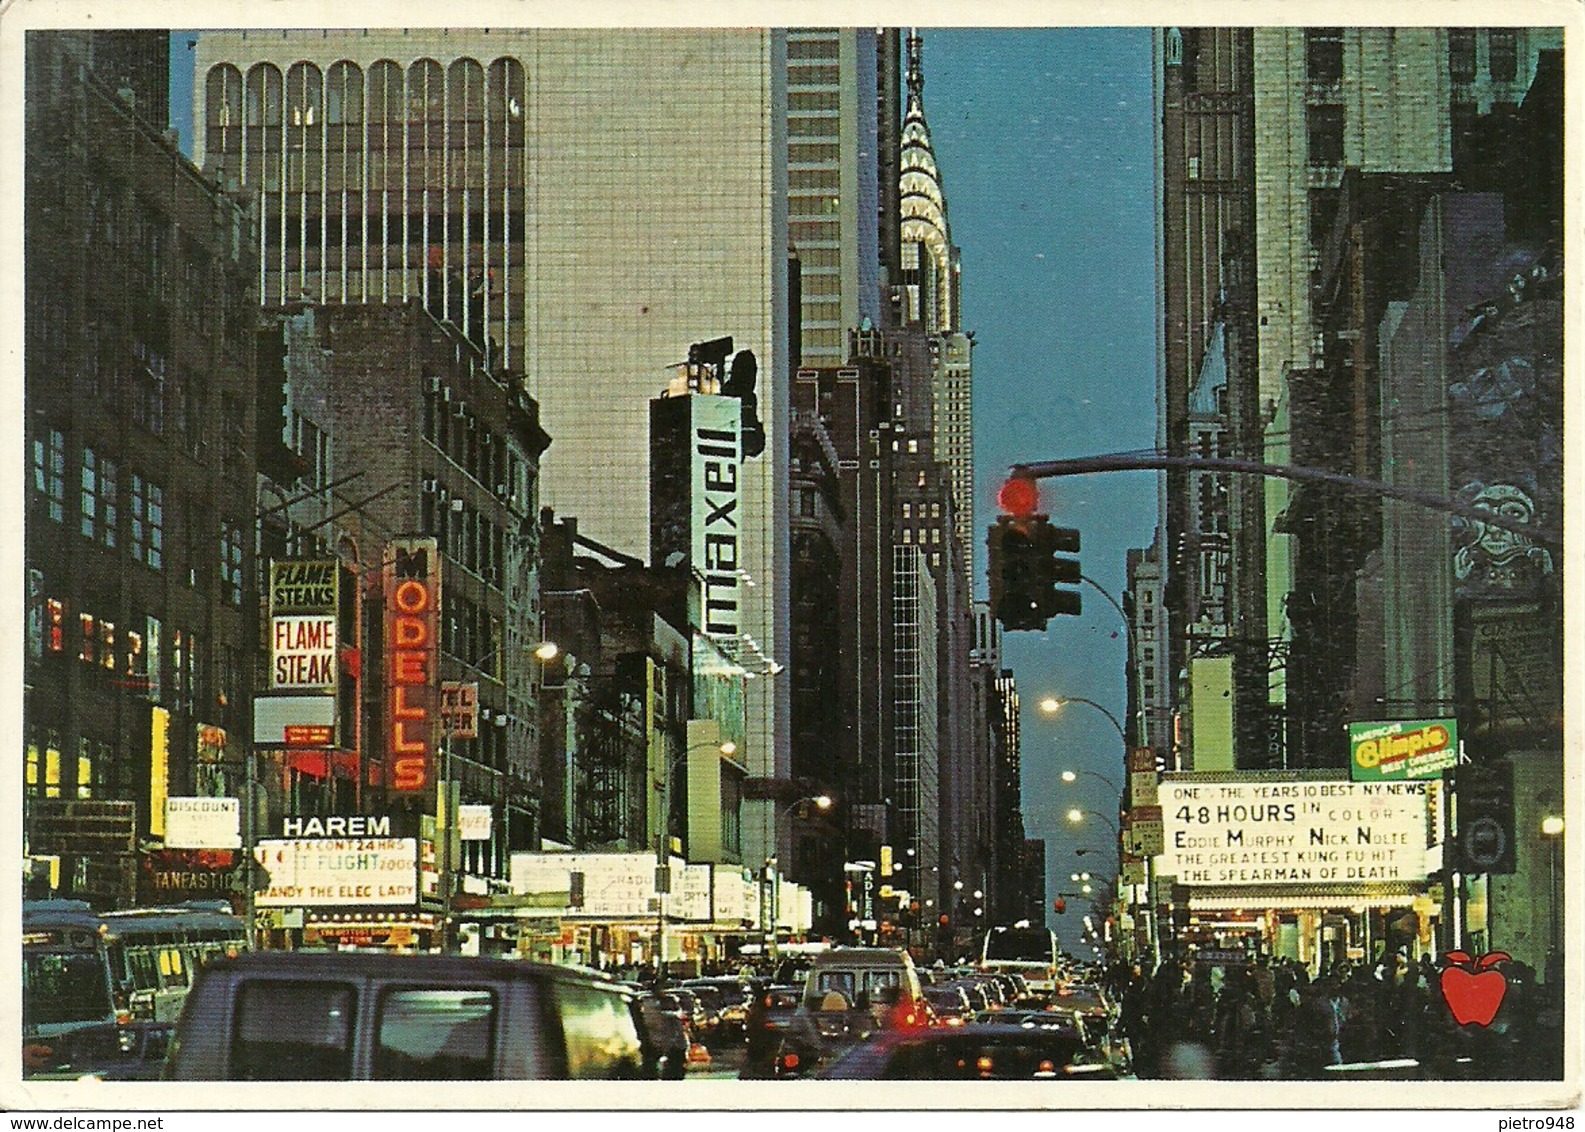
pixel 563 198
pixel 932 298
pixel 833 191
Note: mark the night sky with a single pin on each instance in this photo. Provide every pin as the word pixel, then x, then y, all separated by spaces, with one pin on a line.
pixel 1044 142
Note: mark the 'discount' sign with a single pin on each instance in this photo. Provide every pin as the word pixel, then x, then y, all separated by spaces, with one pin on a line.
pixel 1294 833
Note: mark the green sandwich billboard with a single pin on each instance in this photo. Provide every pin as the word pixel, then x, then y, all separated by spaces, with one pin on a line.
pixel 1402 749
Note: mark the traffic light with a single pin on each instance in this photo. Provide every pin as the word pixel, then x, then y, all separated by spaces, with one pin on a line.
pixel 1025 570
pixel 1059 905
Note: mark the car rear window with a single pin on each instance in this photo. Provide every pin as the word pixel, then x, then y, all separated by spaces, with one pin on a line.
pixel 602 1040
pixel 293 1031
pixel 435 1034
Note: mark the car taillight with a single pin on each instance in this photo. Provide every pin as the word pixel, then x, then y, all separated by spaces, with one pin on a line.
pixel 123 1017
pixel 789 1061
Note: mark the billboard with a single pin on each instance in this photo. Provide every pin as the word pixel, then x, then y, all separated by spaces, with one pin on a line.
pixel 412 688
pixel 294 721
pixel 615 885
pixel 203 823
pixel 314 872
pixel 716 527
pixel 303 625
pixel 1285 832
pixel 1396 751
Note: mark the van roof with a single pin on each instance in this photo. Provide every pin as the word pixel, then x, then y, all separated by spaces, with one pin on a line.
pixel 838 956
pixel 365 964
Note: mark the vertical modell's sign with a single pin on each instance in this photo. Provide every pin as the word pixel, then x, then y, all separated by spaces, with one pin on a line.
pixel 412 653
pixel 717 528
pixel 303 625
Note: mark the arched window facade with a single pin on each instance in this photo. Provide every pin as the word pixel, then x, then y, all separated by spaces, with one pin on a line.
pixel 304 96
pixel 344 95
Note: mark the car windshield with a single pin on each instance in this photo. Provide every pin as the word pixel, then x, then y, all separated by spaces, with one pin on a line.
pixel 65 987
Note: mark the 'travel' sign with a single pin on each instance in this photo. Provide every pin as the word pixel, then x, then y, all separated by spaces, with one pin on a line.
pixel 412 692
pixel 1294 833
pixel 1396 751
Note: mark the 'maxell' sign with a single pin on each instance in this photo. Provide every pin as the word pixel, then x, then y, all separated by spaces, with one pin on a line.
pixel 716 493
pixel 412 686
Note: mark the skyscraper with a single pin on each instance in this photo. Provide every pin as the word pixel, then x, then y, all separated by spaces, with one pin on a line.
pixel 577 210
pixel 833 191
pixel 932 298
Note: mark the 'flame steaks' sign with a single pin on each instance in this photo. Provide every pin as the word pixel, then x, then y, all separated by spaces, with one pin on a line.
pixel 412 693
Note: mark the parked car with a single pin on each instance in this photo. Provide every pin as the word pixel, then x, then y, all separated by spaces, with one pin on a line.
pixel 970 1053
pixel 361 1016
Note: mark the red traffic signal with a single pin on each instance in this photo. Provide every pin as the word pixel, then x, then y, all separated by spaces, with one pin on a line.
pixel 1019 496
pixel 1059 905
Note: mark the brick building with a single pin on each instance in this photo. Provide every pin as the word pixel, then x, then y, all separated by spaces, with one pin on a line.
pixel 139 401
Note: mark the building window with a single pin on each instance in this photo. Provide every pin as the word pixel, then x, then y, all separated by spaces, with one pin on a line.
pixel 148 522
pixel 908 510
pixel 98 499
pixel 1461 54
pixel 1504 60
pixel 1324 55
pixel 1325 132
pixel 49 472
pixel 230 563
pixel 85 768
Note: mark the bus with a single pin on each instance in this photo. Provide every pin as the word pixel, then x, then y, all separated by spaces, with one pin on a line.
pixel 1023 950
pixel 83 968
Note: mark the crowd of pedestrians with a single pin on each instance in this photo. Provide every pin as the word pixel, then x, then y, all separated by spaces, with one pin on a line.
pixel 1274 1018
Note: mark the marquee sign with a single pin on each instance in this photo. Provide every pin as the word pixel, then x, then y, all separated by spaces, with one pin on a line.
pixel 1308 832
pixel 350 871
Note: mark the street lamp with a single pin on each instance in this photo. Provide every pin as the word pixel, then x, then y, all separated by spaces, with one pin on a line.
pixel 770 907
pixel 1051 705
pixel 1072 776
pixel 1077 816
pixel 1552 830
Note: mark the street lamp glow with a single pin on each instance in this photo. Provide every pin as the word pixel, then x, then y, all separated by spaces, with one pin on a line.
pixel 1069 776
pixel 1075 816
pixel 1552 826
pixel 822 801
pixel 547 650
pixel 729 748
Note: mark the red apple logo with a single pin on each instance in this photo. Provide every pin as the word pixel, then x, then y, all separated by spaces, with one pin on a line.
pixel 1472 989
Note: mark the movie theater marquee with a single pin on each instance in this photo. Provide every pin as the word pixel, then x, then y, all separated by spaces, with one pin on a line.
pixel 1294 833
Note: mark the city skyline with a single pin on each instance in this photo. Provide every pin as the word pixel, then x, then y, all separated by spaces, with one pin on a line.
pixel 1332 257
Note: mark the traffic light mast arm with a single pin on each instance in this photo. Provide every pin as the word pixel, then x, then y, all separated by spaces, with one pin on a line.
pixel 1157 461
